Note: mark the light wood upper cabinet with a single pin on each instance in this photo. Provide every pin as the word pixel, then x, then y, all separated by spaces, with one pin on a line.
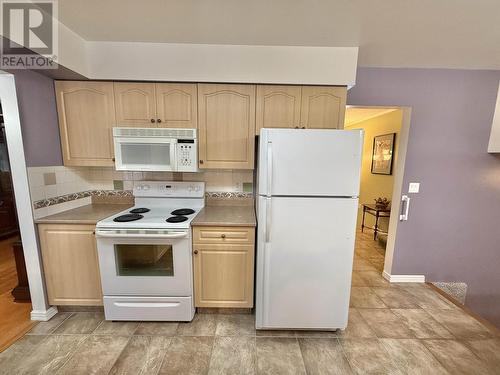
pixel 223 266
pixel 323 107
pixel 86 116
pixel 70 263
pixel 169 105
pixel 135 104
pixel 176 105
pixel 226 122
pixel 277 107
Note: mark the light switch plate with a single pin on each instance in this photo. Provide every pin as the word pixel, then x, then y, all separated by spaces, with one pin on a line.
pixel 414 187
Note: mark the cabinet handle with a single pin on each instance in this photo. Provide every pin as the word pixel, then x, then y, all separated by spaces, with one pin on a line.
pixel 296 127
pixel 159 120
pixel 201 161
pixel 113 159
pixel 93 232
pixel 222 236
pixel 303 127
pixel 152 120
pixel 195 252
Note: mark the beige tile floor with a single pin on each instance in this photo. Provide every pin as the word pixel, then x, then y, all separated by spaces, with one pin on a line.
pixel 393 329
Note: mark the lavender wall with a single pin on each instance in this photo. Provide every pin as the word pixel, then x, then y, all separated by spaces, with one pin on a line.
pixel 453 230
pixel 38 113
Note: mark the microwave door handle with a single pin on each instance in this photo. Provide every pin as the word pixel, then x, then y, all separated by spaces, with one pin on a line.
pixel 174 163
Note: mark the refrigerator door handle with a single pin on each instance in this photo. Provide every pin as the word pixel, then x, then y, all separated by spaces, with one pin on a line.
pixel 269 168
pixel 406 203
pixel 268 219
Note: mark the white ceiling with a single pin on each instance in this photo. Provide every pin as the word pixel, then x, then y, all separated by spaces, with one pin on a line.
pixel 354 115
pixel 390 33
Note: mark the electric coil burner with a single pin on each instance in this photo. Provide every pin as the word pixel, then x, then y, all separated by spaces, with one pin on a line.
pixel 127 217
pixel 139 210
pixel 183 211
pixel 176 219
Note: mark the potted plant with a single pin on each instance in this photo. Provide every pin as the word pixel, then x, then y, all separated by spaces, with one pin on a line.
pixel 382 203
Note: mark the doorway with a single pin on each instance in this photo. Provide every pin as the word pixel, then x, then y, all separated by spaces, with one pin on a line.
pixel 384 151
pixel 15 303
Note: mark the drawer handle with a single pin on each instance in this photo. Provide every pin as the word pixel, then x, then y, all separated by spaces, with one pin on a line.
pixel 222 236
pixel 195 252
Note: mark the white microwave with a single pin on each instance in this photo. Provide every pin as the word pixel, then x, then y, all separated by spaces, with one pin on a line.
pixel 155 149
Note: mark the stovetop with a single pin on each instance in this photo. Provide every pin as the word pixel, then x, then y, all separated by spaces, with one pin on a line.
pixel 155 202
pixel 155 218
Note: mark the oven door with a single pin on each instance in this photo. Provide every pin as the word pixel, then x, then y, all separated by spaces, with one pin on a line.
pixel 145 154
pixel 157 264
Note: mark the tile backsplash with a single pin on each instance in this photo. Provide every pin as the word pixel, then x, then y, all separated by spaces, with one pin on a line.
pixel 50 182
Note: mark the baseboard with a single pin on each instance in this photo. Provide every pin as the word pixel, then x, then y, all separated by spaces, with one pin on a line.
pixel 44 316
pixel 404 278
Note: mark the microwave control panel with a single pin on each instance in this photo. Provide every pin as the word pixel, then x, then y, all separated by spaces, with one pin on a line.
pixel 187 158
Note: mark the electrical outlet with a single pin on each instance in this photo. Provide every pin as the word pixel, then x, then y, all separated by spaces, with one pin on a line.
pixel 414 187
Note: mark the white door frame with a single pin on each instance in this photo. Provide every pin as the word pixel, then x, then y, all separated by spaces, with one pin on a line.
pixel 397 192
pixel 41 310
pixel 396 196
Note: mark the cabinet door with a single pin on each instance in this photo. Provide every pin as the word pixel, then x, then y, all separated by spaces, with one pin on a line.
pixel 323 107
pixel 176 105
pixel 277 107
pixel 223 275
pixel 135 104
pixel 86 116
pixel 227 126
pixel 70 264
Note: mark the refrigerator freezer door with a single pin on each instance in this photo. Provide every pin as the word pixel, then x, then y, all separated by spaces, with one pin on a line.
pixel 313 162
pixel 304 262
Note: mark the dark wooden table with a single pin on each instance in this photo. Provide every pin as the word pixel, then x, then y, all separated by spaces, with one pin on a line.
pixel 378 212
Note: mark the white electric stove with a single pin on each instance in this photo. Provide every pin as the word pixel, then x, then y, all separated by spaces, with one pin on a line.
pixel 145 254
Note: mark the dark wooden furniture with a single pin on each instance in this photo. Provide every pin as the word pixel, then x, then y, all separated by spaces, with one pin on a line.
pixel 21 292
pixel 378 212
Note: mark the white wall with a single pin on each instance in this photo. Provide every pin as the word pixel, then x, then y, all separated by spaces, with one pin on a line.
pixel 222 63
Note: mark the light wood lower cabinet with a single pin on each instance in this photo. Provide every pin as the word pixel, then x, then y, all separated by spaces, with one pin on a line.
pixel 70 264
pixel 223 266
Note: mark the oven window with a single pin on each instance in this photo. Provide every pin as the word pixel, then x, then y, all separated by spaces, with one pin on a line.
pixel 146 153
pixel 144 260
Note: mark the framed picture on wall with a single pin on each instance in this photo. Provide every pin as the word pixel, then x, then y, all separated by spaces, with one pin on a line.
pixel 383 148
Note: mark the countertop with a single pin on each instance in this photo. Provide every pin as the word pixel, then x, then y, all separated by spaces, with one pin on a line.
pixel 238 216
pixel 89 214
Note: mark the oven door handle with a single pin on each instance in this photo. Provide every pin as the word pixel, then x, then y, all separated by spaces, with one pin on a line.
pixel 140 235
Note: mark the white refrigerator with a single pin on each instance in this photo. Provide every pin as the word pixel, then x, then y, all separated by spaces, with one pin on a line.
pixel 308 187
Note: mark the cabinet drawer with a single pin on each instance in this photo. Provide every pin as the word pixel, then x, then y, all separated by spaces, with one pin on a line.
pixel 222 235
